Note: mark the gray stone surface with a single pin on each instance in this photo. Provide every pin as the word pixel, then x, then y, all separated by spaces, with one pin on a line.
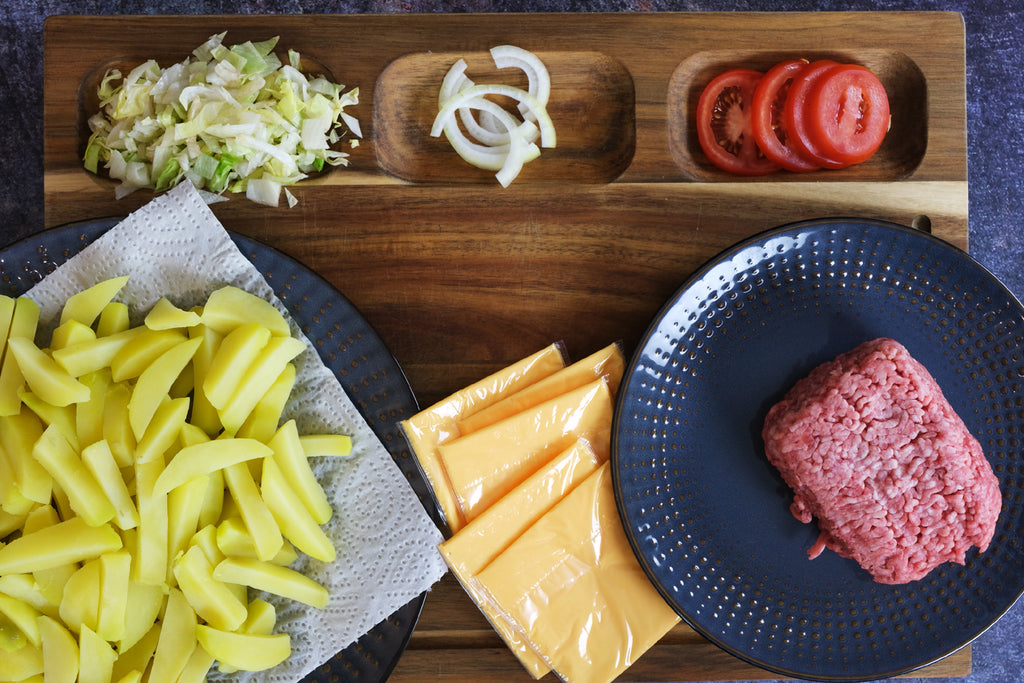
pixel 995 113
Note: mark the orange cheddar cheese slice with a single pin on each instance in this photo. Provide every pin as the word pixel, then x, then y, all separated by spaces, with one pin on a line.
pixel 608 363
pixel 575 591
pixel 437 424
pixel 485 465
pixel 483 539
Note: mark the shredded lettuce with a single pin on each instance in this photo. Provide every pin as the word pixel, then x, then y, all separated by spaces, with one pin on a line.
pixel 228 119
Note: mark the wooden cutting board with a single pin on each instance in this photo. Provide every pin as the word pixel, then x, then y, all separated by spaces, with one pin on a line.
pixel 461 277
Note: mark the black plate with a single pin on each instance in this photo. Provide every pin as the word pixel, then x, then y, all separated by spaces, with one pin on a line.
pixel 707 514
pixel 348 346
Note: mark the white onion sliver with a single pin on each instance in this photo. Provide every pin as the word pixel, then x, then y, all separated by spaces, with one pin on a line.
pixel 496 140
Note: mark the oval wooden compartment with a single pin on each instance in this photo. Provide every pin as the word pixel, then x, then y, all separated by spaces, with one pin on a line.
pixel 89 101
pixel 593 112
pixel 899 155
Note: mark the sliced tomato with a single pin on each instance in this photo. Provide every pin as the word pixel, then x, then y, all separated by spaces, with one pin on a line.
pixel 767 121
pixel 723 124
pixel 796 114
pixel 848 113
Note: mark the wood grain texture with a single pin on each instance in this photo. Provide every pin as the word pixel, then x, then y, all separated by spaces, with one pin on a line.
pixel 461 277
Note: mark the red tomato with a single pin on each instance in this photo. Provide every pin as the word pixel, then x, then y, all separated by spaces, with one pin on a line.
pixel 796 114
pixel 723 124
pixel 766 119
pixel 848 113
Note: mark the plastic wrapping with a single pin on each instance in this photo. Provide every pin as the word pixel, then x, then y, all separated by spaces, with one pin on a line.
pixel 572 588
pixel 517 446
pixel 607 363
pixel 438 423
pixel 484 538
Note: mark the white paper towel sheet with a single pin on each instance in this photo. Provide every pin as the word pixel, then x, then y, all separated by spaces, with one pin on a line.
pixel 387 545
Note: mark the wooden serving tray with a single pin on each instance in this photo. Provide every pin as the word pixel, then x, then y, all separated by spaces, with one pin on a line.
pixel 461 277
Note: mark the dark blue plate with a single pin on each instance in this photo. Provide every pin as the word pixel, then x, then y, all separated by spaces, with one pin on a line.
pixel 348 346
pixel 709 518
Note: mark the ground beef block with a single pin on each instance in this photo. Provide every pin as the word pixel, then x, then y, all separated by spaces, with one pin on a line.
pixel 875 453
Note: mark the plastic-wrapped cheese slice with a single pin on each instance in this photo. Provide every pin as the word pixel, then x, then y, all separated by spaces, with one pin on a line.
pixel 607 363
pixel 574 589
pixel 437 424
pixel 483 539
pixel 485 465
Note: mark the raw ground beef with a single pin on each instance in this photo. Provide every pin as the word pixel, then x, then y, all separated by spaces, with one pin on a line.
pixel 875 453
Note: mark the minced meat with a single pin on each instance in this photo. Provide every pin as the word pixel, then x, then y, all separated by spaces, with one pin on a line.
pixel 874 452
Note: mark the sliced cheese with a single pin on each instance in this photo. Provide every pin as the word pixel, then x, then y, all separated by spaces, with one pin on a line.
pixel 437 424
pixel 575 591
pixel 485 465
pixel 484 538
pixel 608 363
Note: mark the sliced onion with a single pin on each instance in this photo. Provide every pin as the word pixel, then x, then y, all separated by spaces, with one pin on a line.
pixel 494 139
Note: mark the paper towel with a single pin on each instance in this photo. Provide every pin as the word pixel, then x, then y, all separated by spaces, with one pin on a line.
pixel 387 545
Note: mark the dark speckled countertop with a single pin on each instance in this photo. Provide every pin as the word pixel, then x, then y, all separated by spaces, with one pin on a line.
pixel 995 115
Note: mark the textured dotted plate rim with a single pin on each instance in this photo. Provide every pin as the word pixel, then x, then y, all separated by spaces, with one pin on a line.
pixel 368 371
pixel 708 517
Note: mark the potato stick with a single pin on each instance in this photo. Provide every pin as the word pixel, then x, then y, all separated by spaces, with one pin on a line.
pixel 234 540
pixel 166 316
pixel 86 305
pixel 264 419
pixel 204 415
pixel 150 566
pixel 23 615
pixel 258 379
pixel 117 430
pixel 271 578
pixel 291 458
pixel 60 652
pixel 44 377
pixel 115 573
pixel 147 603
pixel 95 657
pixel 84 492
pixel 139 352
pixel 162 430
pixel 89 414
pixel 6 315
pixel 99 460
pixel 113 319
pixel 80 603
pixel 266 535
pixel 229 307
pixel 184 507
pixel 292 516
pixel 18 433
pixel 326 445
pixel 206 457
pixel 23 324
pixel 236 353
pixel 154 383
pixel 70 334
pixel 177 639
pixel 69 541
pixel 61 417
pixel 212 600
pixel 90 356
pixel 244 652
pixel 197 666
pixel 24 588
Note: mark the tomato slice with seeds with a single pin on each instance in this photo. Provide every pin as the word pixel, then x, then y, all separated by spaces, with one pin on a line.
pixel 848 113
pixel 723 124
pixel 767 121
pixel 796 114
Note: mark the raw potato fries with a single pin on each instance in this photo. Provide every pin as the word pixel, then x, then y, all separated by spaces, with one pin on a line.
pixel 147 493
